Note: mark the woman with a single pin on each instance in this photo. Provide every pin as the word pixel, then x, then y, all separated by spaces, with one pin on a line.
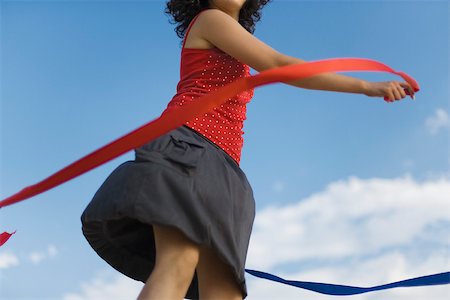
pixel 179 217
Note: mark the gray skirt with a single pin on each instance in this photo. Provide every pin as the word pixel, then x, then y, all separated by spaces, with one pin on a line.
pixel 181 179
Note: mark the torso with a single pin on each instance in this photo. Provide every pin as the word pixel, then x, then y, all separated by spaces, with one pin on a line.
pixel 203 70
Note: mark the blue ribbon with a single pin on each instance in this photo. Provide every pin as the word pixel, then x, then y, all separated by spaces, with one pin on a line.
pixel 345 290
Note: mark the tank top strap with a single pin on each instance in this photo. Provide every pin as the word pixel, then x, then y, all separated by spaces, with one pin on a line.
pixel 190 25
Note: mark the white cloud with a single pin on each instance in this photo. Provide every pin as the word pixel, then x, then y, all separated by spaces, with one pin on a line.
pixel 386 268
pixel 437 121
pixel 431 175
pixel 107 285
pixel 8 260
pixel 37 256
pixel 355 232
pixel 360 232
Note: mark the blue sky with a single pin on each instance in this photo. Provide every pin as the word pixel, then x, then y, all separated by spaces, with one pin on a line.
pixel 349 189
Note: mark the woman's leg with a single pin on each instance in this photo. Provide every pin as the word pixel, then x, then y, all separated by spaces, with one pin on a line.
pixel 176 260
pixel 215 278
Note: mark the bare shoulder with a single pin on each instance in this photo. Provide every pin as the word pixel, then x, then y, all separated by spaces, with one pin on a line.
pixel 220 30
pixel 194 39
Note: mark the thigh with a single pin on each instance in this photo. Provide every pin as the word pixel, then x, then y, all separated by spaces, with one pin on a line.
pixel 215 277
pixel 172 246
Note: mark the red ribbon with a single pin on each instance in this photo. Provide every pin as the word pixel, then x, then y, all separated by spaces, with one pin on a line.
pixel 173 118
pixel 4 237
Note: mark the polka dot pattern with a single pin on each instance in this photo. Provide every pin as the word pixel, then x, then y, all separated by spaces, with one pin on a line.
pixel 206 70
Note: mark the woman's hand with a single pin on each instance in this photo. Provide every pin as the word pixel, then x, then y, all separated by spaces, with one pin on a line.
pixel 390 90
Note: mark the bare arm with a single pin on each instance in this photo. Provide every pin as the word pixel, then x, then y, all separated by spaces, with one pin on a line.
pixel 228 35
pixel 325 81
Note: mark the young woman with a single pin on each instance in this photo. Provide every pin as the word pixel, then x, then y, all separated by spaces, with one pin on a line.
pixel 179 217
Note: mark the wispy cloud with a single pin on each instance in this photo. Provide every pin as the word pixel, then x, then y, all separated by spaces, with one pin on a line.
pixel 37 256
pixel 107 285
pixel 8 260
pixel 52 251
pixel 278 186
pixel 438 121
pixel 408 163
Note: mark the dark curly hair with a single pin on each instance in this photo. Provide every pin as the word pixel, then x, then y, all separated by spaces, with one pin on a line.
pixel 183 11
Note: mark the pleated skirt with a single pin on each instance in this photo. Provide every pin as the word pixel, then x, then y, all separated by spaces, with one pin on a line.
pixel 180 179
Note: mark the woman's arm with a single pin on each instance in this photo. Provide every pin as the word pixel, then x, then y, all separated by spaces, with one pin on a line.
pixel 325 81
pixel 227 34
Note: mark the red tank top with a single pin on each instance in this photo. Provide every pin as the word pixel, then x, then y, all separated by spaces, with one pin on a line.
pixel 206 70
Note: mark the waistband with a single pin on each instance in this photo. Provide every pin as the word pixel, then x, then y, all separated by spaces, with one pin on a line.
pixel 223 152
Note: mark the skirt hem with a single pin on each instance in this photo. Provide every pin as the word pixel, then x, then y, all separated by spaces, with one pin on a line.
pixel 100 246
